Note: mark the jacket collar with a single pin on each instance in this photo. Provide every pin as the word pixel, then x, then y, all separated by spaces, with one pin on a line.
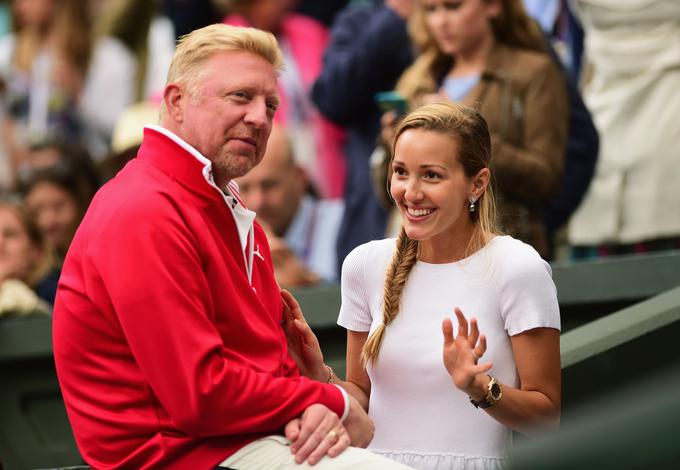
pixel 186 165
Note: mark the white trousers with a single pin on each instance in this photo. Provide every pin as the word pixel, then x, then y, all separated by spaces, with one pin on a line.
pixel 273 453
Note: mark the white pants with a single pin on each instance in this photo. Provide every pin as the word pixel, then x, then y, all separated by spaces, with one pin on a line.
pixel 273 453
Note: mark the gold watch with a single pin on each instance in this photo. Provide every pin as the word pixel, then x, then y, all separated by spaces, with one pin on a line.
pixel 494 392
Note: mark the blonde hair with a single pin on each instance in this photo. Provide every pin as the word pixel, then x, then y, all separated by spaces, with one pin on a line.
pixel 199 45
pixel 512 27
pixel 69 30
pixel 470 130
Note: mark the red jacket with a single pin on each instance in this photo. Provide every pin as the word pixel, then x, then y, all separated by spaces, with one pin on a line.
pixel 167 357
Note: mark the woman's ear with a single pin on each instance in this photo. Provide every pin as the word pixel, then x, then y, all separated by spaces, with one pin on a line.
pixel 480 182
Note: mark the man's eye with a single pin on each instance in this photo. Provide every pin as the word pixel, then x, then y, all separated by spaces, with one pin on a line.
pixel 241 95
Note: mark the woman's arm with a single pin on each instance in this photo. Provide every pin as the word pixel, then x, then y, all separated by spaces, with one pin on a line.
pixel 303 346
pixel 357 382
pixel 536 403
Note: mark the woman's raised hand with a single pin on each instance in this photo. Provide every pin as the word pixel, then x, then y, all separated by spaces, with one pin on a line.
pixel 303 346
pixel 462 352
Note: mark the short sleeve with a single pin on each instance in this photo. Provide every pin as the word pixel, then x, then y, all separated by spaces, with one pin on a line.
pixel 528 295
pixel 355 314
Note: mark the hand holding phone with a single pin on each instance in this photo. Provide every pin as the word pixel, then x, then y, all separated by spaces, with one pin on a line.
pixel 391 101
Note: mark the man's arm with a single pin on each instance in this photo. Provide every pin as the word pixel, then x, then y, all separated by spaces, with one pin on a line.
pixel 157 288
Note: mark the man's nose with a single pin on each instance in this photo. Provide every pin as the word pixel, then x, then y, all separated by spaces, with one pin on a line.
pixel 257 114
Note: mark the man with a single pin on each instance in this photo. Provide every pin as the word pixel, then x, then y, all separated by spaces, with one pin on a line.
pixel 168 335
pixel 302 229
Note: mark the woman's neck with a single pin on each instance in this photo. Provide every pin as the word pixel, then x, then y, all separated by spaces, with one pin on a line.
pixel 472 61
pixel 449 249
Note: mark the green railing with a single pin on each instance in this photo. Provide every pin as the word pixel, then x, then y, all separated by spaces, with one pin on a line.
pixel 621 394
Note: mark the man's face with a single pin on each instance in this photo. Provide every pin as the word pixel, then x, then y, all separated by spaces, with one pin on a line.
pixel 227 113
pixel 274 188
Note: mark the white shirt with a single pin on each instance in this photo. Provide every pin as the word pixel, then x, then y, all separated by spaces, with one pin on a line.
pixel 421 419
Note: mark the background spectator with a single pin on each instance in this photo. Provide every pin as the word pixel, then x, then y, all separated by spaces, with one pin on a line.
pixel 124 70
pixel 58 196
pixel 301 228
pixel 491 54
pixel 368 50
pixel 43 64
pixel 317 143
pixel 633 65
pixel 28 277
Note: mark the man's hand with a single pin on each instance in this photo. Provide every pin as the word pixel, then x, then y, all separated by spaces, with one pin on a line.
pixel 316 433
pixel 303 346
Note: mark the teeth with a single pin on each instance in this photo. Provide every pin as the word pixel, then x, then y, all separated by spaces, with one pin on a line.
pixel 419 212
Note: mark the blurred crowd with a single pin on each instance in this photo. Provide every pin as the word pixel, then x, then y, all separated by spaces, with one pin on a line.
pixel 581 98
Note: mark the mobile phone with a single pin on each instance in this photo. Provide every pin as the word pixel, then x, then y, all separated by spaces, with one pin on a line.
pixel 391 101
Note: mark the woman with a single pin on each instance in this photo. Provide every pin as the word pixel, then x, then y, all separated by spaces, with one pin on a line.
pixel 58 195
pixel 448 258
pixel 28 278
pixel 489 54
pixel 43 64
pixel 633 65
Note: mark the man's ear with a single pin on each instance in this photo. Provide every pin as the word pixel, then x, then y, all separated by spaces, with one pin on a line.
pixel 173 98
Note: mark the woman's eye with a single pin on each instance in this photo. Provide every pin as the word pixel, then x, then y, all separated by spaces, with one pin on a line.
pixel 398 171
pixel 431 175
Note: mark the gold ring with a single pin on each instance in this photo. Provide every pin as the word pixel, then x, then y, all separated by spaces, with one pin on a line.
pixel 332 434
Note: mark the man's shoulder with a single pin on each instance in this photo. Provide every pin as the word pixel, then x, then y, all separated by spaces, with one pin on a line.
pixel 139 191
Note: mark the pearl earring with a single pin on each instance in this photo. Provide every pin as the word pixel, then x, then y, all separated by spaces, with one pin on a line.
pixel 472 206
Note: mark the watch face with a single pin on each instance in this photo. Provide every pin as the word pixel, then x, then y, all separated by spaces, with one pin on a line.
pixel 495 390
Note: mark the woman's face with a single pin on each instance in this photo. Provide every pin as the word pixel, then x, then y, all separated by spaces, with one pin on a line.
pixel 56 212
pixel 429 185
pixel 268 14
pixel 33 13
pixel 18 254
pixel 459 26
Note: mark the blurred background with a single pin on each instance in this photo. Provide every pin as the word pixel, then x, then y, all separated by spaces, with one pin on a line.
pixel 586 161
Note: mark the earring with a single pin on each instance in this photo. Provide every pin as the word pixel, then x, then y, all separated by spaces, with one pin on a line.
pixel 472 206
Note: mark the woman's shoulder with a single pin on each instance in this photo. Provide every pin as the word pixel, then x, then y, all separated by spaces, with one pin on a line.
pixel 517 258
pixel 373 251
pixel 525 62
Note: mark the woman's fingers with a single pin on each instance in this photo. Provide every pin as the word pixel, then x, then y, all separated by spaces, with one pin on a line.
pixel 292 304
pixel 462 323
pixel 447 330
pixel 474 333
pixel 480 349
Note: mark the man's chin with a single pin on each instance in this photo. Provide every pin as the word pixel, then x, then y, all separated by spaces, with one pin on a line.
pixel 235 166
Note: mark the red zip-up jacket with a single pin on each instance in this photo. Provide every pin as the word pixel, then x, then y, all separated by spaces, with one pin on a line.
pixel 167 356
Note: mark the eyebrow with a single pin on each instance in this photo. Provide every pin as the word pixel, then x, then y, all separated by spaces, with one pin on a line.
pixel 424 166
